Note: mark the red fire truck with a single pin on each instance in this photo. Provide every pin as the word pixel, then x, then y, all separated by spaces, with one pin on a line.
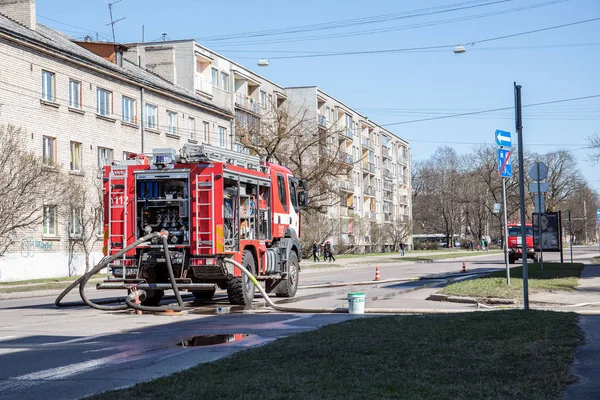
pixel 213 204
pixel 515 242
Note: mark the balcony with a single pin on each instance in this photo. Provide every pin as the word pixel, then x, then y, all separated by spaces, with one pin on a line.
pixel 368 191
pixel 322 121
pixel 370 214
pixel 343 211
pixel 387 173
pixel 368 143
pixel 385 152
pixel 387 196
pixel 203 84
pixel 402 160
pixel 347 132
pixel 403 200
pixel 388 217
pixel 247 103
pixel 346 185
pixel 346 158
pixel 388 186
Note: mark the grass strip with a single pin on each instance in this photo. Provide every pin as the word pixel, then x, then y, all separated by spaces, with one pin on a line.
pixel 68 279
pixel 493 355
pixel 554 277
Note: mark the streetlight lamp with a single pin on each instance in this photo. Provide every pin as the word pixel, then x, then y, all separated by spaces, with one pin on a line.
pixel 459 49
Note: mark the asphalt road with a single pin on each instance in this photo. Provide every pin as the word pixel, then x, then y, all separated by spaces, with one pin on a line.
pixel 70 353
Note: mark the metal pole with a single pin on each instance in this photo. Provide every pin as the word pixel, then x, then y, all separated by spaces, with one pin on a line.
pixel 519 126
pixel 540 218
pixel 571 236
pixel 505 232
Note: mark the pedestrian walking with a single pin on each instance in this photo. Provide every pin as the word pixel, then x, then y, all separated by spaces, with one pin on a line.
pixel 483 245
pixel 329 251
pixel 402 248
pixel 315 252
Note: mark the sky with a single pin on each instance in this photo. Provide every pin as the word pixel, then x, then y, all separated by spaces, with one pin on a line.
pixel 395 88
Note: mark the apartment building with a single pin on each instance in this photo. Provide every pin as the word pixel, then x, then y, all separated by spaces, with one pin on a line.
pixel 213 77
pixel 82 105
pixel 375 192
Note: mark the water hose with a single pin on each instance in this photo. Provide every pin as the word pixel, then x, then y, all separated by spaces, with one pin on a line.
pixel 131 301
pixel 340 309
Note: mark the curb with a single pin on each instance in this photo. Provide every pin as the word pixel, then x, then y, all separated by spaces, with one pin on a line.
pixel 470 300
pixel 29 295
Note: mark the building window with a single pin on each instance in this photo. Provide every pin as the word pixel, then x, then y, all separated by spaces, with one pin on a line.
pixel 172 122
pixel 263 99
pixel 205 129
pixel 129 110
pixel 151 116
pixel 105 156
pixel 74 94
pixel 270 103
pixel 75 226
pixel 192 128
pixel 49 220
pixel 75 156
pixel 222 136
pixel 48 86
pixel 49 150
pixel 215 77
pixel 224 82
pixel 104 104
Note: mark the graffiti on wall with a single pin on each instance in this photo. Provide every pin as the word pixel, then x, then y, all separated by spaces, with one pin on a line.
pixel 30 246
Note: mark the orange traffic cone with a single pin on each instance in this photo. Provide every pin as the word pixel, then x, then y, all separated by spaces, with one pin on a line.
pixel 377 276
pixel 464 268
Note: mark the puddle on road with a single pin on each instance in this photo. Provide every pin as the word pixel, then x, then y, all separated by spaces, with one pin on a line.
pixel 211 340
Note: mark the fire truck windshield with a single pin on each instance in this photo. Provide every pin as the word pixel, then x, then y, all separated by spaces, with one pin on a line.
pixel 516 231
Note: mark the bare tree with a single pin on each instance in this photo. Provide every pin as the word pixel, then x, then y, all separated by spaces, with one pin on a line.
pixel 397 232
pixel 594 144
pixel 28 183
pixel 82 209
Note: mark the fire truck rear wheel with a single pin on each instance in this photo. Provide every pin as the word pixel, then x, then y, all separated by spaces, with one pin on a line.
pixel 291 282
pixel 240 290
pixel 153 298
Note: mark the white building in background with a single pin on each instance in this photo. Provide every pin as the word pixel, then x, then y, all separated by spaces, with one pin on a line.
pixel 377 185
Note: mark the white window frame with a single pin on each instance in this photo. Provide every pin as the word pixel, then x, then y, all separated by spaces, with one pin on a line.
pixel 222 136
pixel 49 150
pixel 105 156
pixel 50 222
pixel 172 122
pixel 104 102
pixel 225 81
pixel 129 110
pixel 192 128
pixel 76 223
pixel 48 86
pixel 263 99
pixel 214 77
pixel 75 94
pixel 151 116
pixel 75 148
pixel 206 131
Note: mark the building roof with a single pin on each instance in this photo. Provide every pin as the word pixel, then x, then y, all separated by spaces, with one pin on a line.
pixel 60 43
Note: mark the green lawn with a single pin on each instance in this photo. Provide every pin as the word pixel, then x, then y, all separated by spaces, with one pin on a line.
pixel 554 277
pixel 493 355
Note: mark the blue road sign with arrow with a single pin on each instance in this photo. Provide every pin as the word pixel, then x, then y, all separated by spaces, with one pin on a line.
pixel 504 163
pixel 503 138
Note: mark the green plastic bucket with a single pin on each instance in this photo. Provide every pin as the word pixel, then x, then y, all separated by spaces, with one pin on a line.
pixel 356 303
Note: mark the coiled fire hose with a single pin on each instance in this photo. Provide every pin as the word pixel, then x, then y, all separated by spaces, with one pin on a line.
pixel 82 281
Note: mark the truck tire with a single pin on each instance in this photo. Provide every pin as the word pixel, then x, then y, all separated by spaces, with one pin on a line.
pixel 511 260
pixel 535 258
pixel 153 298
pixel 240 290
pixel 291 281
pixel 204 294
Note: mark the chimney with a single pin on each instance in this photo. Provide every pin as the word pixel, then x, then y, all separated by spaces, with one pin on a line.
pixel 21 11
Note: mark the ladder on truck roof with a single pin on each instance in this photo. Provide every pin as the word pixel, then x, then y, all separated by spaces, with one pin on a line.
pixel 117 207
pixel 205 221
pixel 208 153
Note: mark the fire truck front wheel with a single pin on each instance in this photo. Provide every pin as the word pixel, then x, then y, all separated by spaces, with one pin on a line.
pixel 240 290
pixel 290 284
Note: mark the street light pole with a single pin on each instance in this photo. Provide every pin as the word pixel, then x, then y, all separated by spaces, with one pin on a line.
pixel 505 232
pixel 519 129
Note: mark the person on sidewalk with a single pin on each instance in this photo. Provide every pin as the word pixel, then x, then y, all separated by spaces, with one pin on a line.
pixel 315 252
pixel 329 252
pixel 402 248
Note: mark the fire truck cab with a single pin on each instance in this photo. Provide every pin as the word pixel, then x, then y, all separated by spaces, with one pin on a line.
pixel 515 242
pixel 212 204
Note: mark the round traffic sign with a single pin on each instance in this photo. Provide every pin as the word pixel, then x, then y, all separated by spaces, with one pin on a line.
pixel 538 171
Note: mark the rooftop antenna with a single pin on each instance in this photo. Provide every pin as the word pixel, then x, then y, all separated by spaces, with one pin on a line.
pixel 112 23
pixel 164 36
